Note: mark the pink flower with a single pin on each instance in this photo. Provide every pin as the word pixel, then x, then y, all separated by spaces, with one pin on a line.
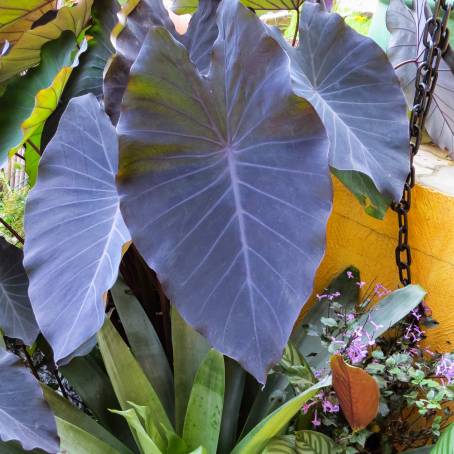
pixel 329 407
pixel 320 297
pixel 375 325
pixel 316 422
pixel 350 275
pixel 307 406
pixel 361 284
pixel 445 368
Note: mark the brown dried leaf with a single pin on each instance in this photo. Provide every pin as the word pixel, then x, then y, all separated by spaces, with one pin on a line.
pixel 357 391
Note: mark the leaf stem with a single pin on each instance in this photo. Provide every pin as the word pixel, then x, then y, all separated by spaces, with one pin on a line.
pixel 297 26
pixel 12 231
pixel 30 362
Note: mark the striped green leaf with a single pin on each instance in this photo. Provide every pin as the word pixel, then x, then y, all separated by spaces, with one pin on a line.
pixel 285 444
pixel 310 442
pixel 445 445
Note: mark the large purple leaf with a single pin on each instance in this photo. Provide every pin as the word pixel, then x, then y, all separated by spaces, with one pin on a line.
pixel 16 314
pixel 189 6
pixel 128 39
pixel 351 84
pixel 224 185
pixel 406 45
pixel 74 229
pixel 24 414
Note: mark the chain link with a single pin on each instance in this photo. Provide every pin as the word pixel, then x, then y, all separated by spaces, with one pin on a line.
pixel 435 40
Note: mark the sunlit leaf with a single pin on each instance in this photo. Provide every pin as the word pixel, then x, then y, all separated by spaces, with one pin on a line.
pixel 348 79
pixel 268 428
pixel 28 101
pixel 406 52
pixel 26 52
pixel 136 19
pixel 200 158
pixel 202 423
pixel 446 442
pixel 285 444
pixel 82 244
pixel 16 314
pixel 189 6
pixel 18 16
pixel 357 391
pixel 25 415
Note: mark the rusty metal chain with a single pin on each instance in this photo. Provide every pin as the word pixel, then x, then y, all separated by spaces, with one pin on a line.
pixel 435 40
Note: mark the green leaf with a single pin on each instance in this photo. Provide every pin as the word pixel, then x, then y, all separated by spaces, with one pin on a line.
pixel 365 191
pixel 258 437
pixel 235 378
pixel 423 450
pixel 189 6
pixel 349 297
pixel 446 442
pixel 204 414
pixel 189 350
pixel 145 344
pixel 145 443
pixel 128 379
pixel 310 442
pixel 17 16
pixel 26 52
pixel 75 418
pixel 29 100
pixel 91 382
pixel 285 444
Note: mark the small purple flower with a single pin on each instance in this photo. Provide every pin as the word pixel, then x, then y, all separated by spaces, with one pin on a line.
pixel 356 351
pixel 445 368
pixel 375 325
pixel 361 284
pixel 316 422
pixel 350 317
pixel 329 407
pixel 350 275
pixel 320 297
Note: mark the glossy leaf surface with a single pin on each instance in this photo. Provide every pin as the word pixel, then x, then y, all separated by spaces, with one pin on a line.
pixel 29 100
pixel 17 16
pixel 82 246
pixel 26 52
pixel 200 159
pixel 357 391
pixel 406 45
pixel 25 415
pixel 16 315
pixel 351 84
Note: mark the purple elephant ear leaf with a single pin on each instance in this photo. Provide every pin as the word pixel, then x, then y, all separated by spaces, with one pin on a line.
pixel 224 185
pixel 351 84
pixel 24 414
pixel 73 260
pixel 198 39
pixel 406 45
pixel 16 315
pixel 189 6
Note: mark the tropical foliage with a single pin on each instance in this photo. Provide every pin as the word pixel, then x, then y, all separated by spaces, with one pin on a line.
pixel 210 155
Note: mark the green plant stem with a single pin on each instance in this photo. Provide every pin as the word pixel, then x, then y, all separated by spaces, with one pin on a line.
pixel 297 26
pixel 12 231
pixel 30 362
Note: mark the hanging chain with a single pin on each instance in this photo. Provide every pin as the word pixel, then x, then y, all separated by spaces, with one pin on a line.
pixel 435 39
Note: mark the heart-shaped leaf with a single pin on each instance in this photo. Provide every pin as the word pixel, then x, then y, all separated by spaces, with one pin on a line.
pixel 351 84
pixel 189 6
pixel 25 415
pixel 16 315
pixel 200 159
pixel 26 52
pixel 138 19
pixel 357 391
pixel 82 244
pixel 406 52
pixel 17 16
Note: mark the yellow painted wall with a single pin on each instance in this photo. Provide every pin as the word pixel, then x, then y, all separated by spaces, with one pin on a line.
pixel 354 238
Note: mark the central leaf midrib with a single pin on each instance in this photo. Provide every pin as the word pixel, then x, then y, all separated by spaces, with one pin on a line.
pixel 231 161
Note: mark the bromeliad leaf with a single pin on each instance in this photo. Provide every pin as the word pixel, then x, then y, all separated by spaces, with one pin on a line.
pixel 16 314
pixel 17 16
pixel 26 52
pixel 406 50
pixel 25 415
pixel 82 245
pixel 200 160
pixel 351 84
